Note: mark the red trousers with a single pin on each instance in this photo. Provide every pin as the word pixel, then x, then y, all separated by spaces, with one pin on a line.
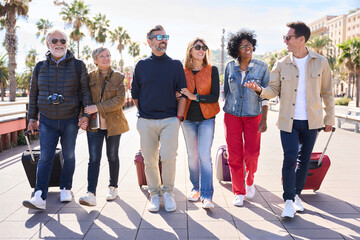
pixel 243 146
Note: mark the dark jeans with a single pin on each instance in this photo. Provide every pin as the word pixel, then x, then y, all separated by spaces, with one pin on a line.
pixel 50 132
pixel 95 144
pixel 297 147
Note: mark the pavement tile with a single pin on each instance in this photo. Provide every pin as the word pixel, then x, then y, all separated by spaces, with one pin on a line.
pixel 26 214
pixel 261 230
pixel 77 214
pixel 164 220
pixel 110 233
pixel 64 229
pixel 19 230
pixel 333 207
pixel 212 229
pixel 348 234
pixel 305 220
pixel 301 233
pixel 253 214
pixel 161 234
pixel 343 220
pixel 209 215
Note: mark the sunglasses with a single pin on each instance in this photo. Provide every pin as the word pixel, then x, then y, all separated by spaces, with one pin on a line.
pixel 243 47
pixel 288 37
pixel 160 37
pixel 55 40
pixel 198 47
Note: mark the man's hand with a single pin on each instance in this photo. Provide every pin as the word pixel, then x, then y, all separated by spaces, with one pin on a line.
pixel 33 125
pixel 90 109
pixel 83 123
pixel 328 128
pixel 253 86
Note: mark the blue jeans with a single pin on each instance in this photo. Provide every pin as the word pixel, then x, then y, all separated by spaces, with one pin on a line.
pixel 297 147
pixel 199 138
pixel 50 132
pixel 95 144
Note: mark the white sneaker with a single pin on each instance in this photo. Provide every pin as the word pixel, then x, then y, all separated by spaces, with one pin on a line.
pixel 297 204
pixel 207 204
pixel 170 204
pixel 113 193
pixel 250 191
pixel 36 202
pixel 88 200
pixel 238 200
pixel 154 203
pixel 65 195
pixel 289 210
pixel 194 196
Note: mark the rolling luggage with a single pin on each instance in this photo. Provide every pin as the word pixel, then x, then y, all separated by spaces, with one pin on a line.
pixel 30 159
pixel 318 167
pixel 140 168
pixel 222 165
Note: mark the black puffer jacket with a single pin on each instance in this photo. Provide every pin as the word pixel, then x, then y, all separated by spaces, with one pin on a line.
pixel 62 79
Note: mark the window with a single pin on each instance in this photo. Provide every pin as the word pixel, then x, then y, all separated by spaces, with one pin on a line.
pixel 339 23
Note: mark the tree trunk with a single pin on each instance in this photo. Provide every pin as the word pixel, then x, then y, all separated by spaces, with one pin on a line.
pixel 121 63
pixel 78 47
pixel 358 88
pixel 2 91
pixel 353 85
pixel 11 47
pixel 349 86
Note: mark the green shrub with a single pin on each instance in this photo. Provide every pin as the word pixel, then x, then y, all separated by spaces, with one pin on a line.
pixel 342 101
pixel 21 139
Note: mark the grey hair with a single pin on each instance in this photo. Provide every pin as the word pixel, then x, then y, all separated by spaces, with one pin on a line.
pixel 156 28
pixel 97 51
pixel 47 38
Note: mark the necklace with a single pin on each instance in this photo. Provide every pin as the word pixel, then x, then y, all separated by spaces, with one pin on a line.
pixel 197 68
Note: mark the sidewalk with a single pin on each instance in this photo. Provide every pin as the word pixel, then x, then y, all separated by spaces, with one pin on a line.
pixel 333 212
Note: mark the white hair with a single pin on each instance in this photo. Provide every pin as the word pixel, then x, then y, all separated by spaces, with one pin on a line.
pixel 51 32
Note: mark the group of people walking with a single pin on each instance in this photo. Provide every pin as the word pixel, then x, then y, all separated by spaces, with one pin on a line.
pixel 169 95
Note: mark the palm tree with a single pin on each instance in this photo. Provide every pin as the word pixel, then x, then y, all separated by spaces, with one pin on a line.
pixel 345 57
pixel 11 9
pixel 98 28
pixel 23 81
pixel 43 26
pixel 355 58
pixel 134 50
pixel 30 60
pixel 86 53
pixel 75 16
pixel 72 46
pixel 317 44
pixel 122 38
pixel 4 74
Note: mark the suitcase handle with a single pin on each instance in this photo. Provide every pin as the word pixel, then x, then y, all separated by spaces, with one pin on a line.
pixel 323 153
pixel 26 134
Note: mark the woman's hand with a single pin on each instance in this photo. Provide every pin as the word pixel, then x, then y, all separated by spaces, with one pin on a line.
pixel 187 93
pixel 83 123
pixel 90 109
pixel 253 86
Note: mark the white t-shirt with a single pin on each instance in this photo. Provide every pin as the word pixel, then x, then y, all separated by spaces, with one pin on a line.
pixel 300 105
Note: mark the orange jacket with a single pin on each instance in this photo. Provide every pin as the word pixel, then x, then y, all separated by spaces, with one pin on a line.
pixel 202 82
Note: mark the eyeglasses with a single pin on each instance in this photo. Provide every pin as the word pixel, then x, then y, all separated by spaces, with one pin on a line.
pixel 243 47
pixel 160 37
pixel 55 40
pixel 105 56
pixel 198 47
pixel 288 37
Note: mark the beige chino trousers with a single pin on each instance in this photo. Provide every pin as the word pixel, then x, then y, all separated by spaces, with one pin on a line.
pixel 152 132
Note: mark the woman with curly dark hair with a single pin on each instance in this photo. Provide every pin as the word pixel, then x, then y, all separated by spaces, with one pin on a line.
pixel 245 112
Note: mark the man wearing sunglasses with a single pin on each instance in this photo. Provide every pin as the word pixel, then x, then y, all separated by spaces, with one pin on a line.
pixel 59 86
pixel 155 81
pixel 303 81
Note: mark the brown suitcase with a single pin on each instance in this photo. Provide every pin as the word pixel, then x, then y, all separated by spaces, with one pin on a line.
pixel 140 168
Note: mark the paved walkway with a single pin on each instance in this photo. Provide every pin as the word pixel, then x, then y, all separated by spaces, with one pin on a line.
pixel 333 212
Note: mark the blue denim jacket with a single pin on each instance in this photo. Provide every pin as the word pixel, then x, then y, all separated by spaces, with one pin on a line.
pixel 240 100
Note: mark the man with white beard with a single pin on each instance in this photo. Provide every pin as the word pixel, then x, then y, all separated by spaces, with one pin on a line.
pixel 59 86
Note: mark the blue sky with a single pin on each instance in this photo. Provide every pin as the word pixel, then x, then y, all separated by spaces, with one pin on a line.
pixel 183 20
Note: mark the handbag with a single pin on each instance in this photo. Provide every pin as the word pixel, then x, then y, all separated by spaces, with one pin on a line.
pixel 94 122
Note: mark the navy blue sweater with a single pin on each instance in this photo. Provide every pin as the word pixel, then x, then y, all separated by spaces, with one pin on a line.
pixel 154 84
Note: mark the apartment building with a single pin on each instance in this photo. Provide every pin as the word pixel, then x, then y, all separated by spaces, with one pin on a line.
pixel 353 25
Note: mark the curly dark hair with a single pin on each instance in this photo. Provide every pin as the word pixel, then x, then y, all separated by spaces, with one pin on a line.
pixel 235 40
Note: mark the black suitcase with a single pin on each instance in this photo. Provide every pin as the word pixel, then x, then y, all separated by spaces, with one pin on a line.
pixel 30 159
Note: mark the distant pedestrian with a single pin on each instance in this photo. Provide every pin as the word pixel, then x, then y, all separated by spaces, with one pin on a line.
pixel 245 113
pixel 202 105
pixel 156 79
pixel 108 95
pixel 303 81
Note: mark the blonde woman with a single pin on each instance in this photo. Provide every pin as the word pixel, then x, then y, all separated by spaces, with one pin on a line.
pixel 202 105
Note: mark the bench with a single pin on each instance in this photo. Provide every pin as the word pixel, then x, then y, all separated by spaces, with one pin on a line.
pixel 352 116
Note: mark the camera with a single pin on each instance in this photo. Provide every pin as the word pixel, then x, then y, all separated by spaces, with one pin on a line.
pixel 55 98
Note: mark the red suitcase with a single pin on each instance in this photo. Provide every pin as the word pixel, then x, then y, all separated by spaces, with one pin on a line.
pixel 318 167
pixel 140 168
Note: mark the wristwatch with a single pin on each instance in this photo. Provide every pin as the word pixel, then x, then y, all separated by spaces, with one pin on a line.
pixel 181 118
